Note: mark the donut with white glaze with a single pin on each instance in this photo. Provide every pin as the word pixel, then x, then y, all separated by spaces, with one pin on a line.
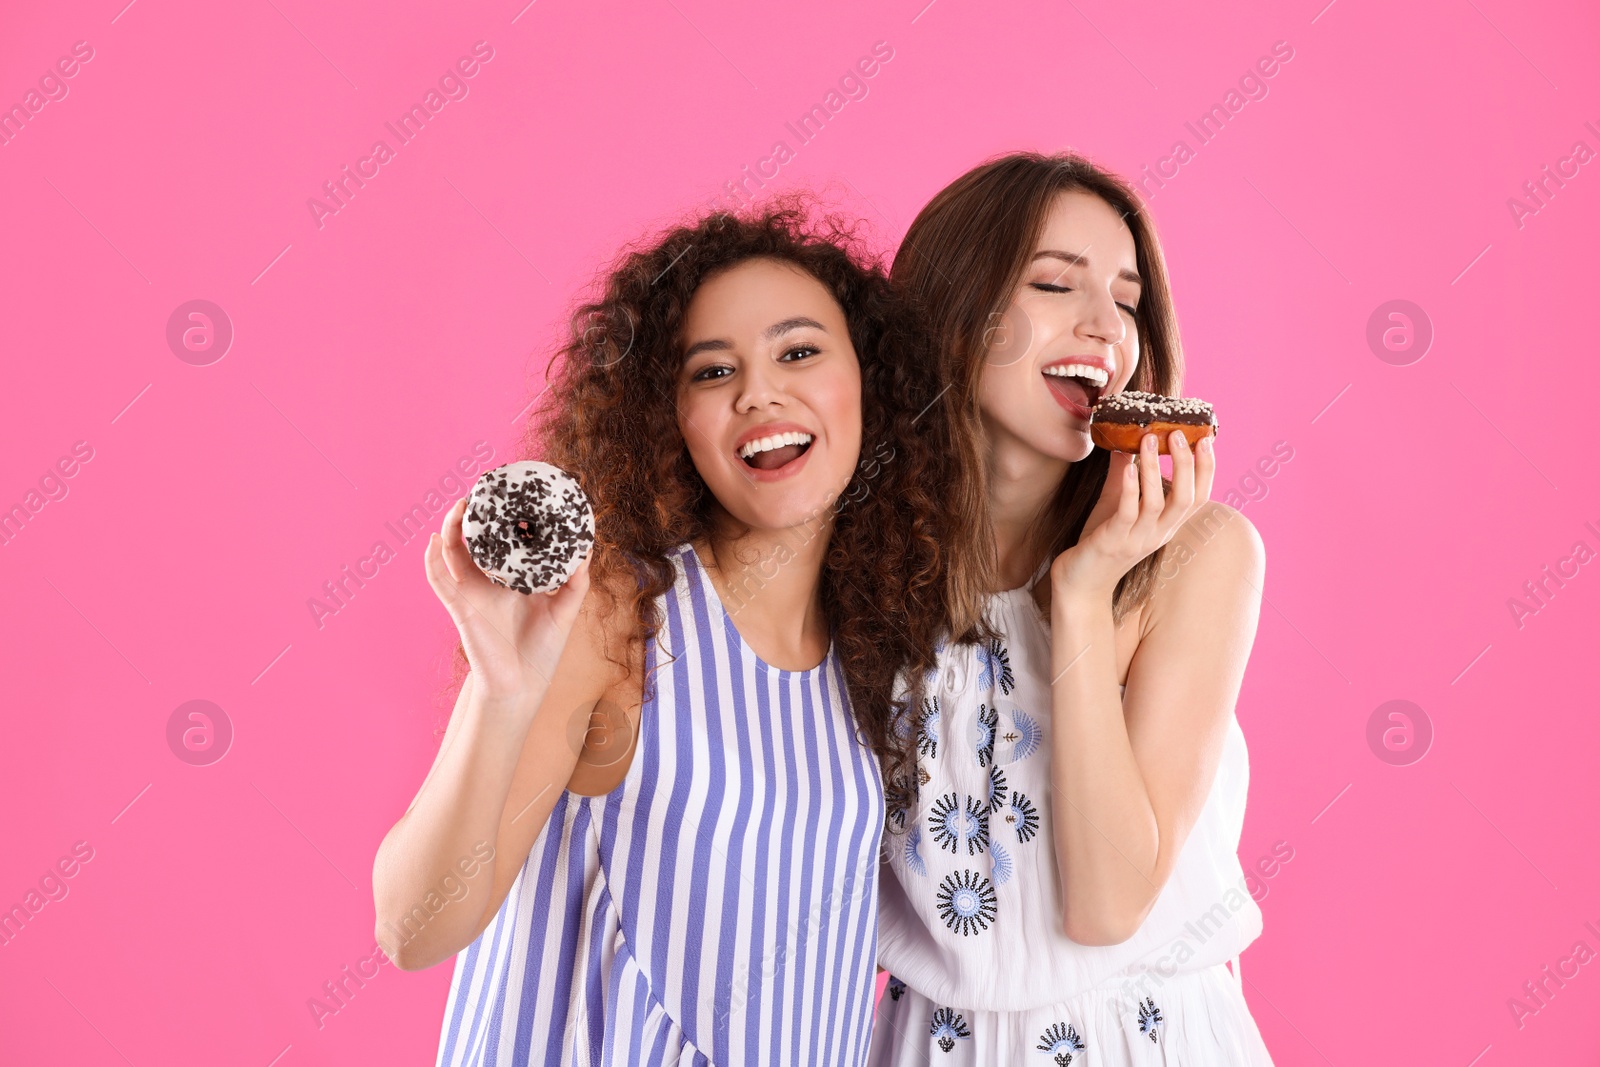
pixel 528 525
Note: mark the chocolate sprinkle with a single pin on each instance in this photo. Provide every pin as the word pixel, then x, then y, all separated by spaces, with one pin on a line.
pixel 528 525
pixel 1141 409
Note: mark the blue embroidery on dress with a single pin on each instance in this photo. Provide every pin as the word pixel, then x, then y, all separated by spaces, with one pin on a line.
pixel 953 824
pixel 911 785
pixel 1023 817
pixel 1149 1018
pixel 905 720
pixel 996 667
pixel 1002 863
pixel 928 728
pixel 967 902
pixel 1061 1041
pixel 947 1026
pixel 1026 735
pixel 913 852
pixel 897 988
pixel 997 788
pixel 988 719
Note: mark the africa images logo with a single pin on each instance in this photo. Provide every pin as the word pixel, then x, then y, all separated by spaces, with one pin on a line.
pixel 452 86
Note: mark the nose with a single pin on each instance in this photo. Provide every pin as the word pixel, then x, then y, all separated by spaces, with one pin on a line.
pixel 760 388
pixel 1103 320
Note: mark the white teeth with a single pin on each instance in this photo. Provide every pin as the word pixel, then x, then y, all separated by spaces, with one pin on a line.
pixel 767 444
pixel 1079 370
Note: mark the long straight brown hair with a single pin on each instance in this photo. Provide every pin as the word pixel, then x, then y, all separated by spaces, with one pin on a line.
pixel 962 260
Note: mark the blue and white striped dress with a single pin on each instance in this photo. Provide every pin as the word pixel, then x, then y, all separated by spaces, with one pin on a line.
pixel 717 907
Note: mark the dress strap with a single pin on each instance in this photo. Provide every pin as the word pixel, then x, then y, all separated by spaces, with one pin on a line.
pixel 695 576
pixel 689 563
pixel 1041 570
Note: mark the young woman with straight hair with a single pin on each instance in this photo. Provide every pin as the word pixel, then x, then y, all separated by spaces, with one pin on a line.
pixel 1064 886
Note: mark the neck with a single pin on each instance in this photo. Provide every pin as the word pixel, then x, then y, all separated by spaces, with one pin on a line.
pixel 1022 482
pixel 770 582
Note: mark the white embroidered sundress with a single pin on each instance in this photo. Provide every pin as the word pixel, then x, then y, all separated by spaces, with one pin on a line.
pixel 969 923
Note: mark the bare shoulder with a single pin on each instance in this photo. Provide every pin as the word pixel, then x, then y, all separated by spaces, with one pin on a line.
pixel 614 662
pixel 1217 553
pixel 1222 541
pixel 602 631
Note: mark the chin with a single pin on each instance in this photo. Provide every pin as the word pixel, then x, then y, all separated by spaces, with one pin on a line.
pixel 1079 448
pixel 775 516
pixel 1067 443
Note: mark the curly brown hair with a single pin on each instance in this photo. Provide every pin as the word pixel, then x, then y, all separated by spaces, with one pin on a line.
pixel 609 418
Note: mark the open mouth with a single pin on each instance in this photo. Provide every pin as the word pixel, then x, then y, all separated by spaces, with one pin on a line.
pixel 1079 383
pixel 774 452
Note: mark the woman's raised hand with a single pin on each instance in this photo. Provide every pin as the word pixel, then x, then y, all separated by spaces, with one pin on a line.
pixel 1133 516
pixel 512 640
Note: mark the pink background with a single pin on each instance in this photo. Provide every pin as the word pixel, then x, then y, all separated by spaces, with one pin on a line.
pixel 372 352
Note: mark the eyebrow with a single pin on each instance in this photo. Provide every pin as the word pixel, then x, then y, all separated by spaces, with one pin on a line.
pixel 1073 259
pixel 772 332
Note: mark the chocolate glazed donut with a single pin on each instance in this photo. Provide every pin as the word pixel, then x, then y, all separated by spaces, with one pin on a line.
pixel 528 525
pixel 1119 421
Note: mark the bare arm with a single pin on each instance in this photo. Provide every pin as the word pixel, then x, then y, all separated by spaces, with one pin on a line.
pixel 512 745
pixel 1132 771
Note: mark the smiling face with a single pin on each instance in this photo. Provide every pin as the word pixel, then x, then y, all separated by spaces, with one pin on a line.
pixel 1069 335
pixel 769 393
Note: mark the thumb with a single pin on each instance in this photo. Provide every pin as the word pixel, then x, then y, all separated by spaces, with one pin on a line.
pixel 1117 485
pixel 568 597
pixel 1117 476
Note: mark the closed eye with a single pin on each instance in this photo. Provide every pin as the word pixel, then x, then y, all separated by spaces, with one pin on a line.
pixel 1046 287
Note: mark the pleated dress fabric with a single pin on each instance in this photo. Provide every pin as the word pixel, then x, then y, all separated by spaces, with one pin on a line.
pixel 720 905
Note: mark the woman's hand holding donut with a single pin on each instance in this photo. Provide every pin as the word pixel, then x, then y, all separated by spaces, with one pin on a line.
pixel 512 640
pixel 1133 516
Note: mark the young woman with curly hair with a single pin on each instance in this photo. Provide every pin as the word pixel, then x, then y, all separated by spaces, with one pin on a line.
pixel 1066 888
pixel 664 777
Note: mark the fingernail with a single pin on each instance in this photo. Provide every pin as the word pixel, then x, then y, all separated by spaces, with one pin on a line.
pixel 1179 441
pixel 1205 443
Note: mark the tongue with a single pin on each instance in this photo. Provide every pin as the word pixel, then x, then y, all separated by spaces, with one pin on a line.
pixel 777 457
pixel 1073 389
